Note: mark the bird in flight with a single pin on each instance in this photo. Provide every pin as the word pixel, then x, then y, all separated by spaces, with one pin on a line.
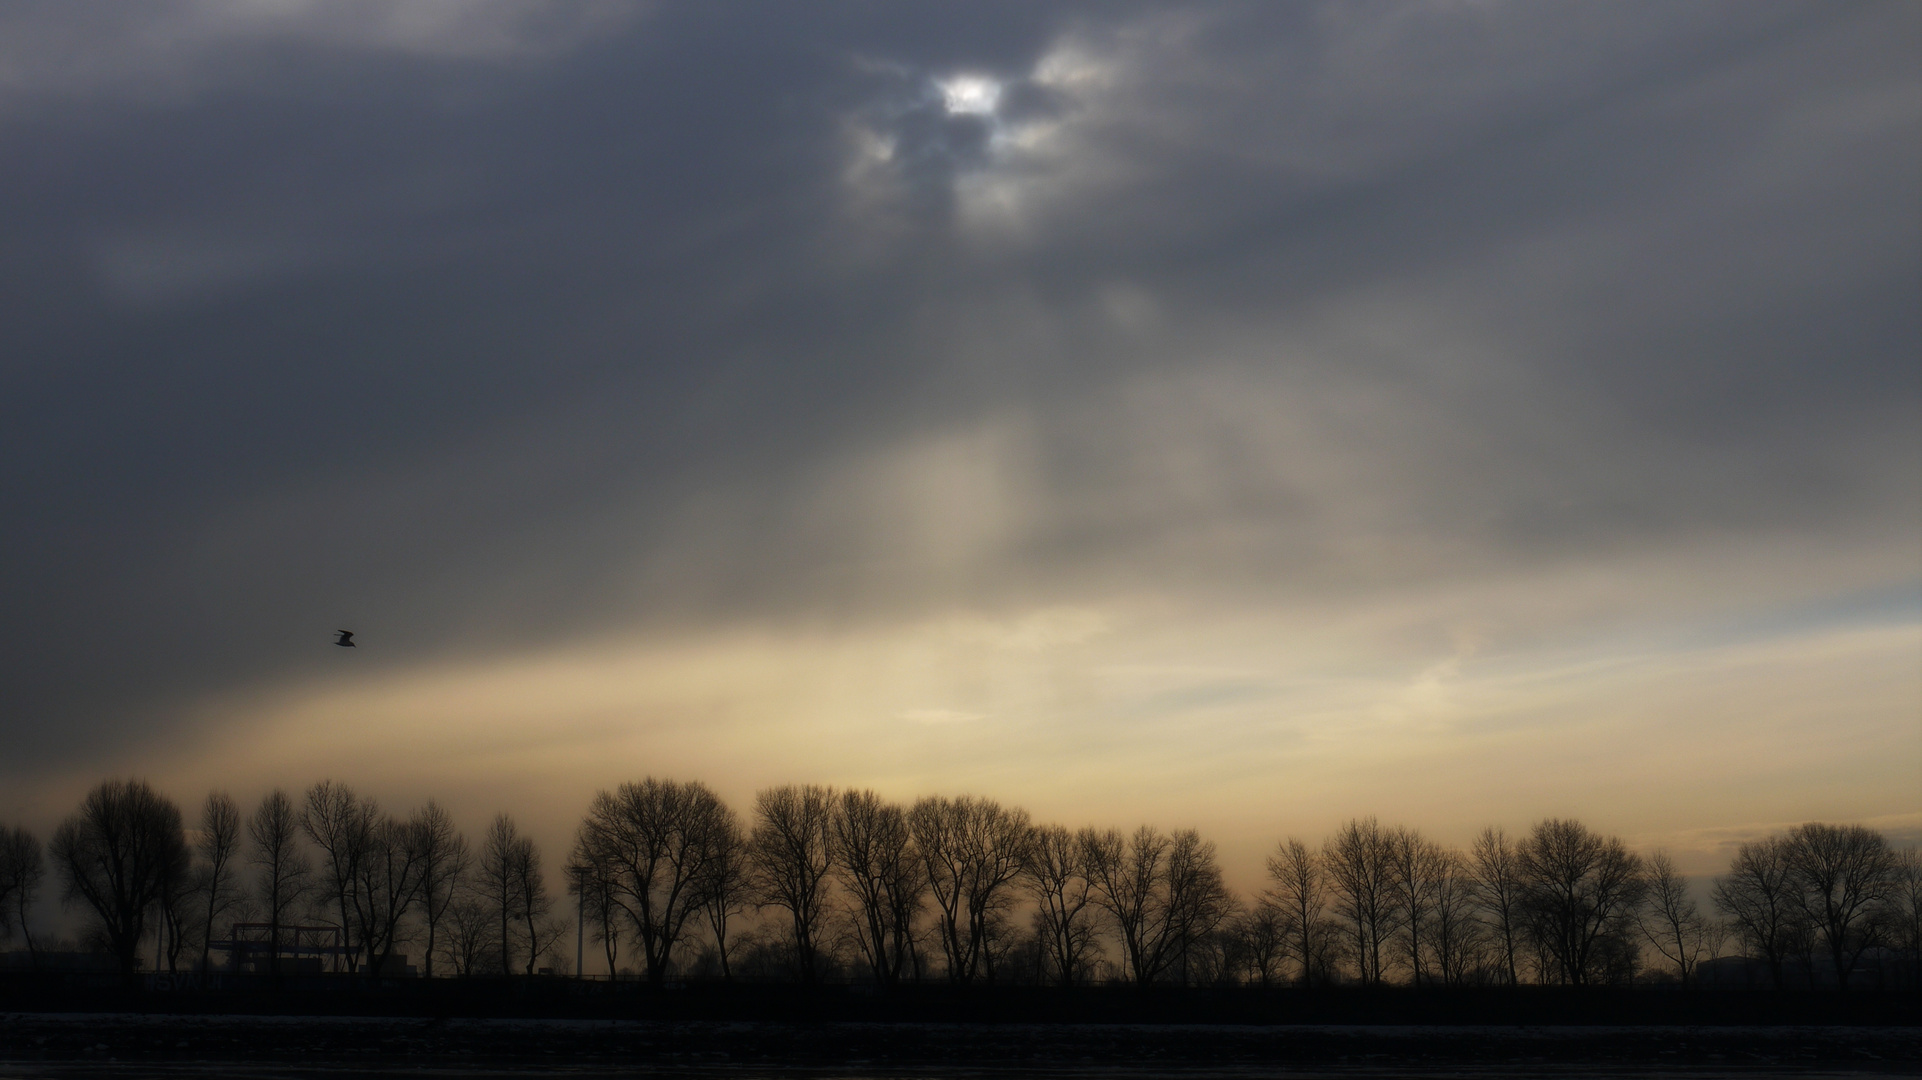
pixel 346 638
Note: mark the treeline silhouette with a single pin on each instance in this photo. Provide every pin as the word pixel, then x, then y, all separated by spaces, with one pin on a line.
pixel 670 886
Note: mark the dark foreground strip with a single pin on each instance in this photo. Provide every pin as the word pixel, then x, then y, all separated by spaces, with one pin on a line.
pixel 136 1046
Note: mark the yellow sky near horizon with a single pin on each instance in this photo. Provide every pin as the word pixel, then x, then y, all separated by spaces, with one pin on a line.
pixel 1248 728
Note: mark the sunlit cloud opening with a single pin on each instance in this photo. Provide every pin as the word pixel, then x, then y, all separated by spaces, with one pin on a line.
pixel 995 148
pixel 970 95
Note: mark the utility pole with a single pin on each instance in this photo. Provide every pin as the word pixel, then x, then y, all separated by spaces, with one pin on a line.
pixel 580 920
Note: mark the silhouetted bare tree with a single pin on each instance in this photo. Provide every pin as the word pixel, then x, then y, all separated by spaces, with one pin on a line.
pixel 972 850
pixel 544 928
pixel 179 926
pixel 1843 873
pixel 791 851
pixel 390 875
pixel 1216 957
pixel 1417 869
pixel 283 868
pixel 1759 894
pixel 1162 893
pixel 1057 876
pixel 1671 921
pixel 504 855
pixel 1263 934
pixel 1125 871
pixel 1905 909
pixel 1582 889
pixel 373 867
pixel 874 854
pixel 218 845
pixel 1196 899
pixel 343 827
pixel 998 851
pixel 21 868
pixel 1495 872
pixel 120 854
pixel 472 937
pixel 654 843
pixel 1562 904
pixel 594 885
pixel 1457 936
pixel 939 827
pixel 444 865
pixel 1298 888
pixel 1358 860
pixel 726 887
pixel 494 883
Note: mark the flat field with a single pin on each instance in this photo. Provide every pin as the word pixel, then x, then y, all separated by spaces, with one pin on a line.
pixel 56 1045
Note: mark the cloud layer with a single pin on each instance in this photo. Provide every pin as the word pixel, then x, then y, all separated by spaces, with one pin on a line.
pixel 1196 399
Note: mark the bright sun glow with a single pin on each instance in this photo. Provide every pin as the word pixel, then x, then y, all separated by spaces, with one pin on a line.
pixel 970 95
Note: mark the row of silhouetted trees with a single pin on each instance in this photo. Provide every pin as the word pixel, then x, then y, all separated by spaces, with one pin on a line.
pixel 670 883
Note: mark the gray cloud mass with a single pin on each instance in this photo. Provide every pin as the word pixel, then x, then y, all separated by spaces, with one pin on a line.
pixel 567 320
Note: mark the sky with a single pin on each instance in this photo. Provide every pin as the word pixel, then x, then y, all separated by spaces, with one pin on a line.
pixel 1237 416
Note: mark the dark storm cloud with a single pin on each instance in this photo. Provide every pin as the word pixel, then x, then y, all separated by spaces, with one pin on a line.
pixel 345 264
pixel 513 331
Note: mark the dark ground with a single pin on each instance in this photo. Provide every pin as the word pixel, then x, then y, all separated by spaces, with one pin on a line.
pixel 145 1045
pixel 940 1002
